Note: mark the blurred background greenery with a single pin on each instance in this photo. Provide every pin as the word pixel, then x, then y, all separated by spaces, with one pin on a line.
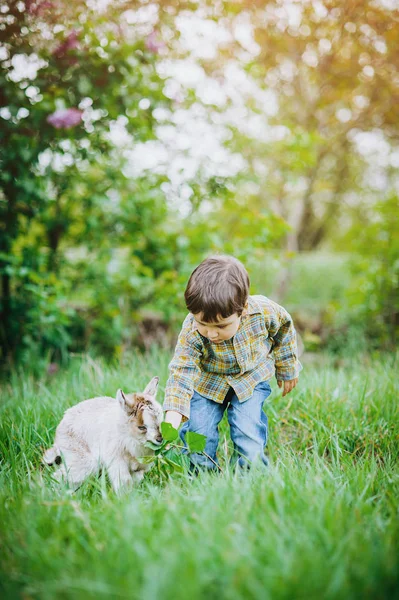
pixel 137 137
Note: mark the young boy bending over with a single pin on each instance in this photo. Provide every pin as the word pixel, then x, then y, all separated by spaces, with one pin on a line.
pixel 230 346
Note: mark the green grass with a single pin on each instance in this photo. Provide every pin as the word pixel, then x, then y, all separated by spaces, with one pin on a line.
pixel 321 522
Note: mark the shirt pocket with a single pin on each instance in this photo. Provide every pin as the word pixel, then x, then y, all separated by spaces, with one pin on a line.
pixel 260 349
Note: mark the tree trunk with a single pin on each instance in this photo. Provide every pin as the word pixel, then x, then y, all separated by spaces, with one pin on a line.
pixel 308 216
pixel 55 230
pixel 54 234
pixel 8 233
pixel 293 237
pixel 320 232
pixel 5 337
pixel 7 342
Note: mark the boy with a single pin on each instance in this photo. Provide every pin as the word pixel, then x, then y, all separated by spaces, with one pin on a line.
pixel 229 347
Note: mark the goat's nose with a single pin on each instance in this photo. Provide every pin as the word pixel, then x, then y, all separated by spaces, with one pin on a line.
pixel 159 438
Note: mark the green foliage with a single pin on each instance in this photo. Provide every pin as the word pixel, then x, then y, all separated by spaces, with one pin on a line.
pixel 195 441
pixel 105 247
pixel 167 458
pixel 169 433
pixel 89 255
pixel 373 300
pixel 328 89
pixel 41 319
pixel 59 178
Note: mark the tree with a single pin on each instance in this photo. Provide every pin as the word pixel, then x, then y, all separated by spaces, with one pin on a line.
pixel 334 70
pixel 88 69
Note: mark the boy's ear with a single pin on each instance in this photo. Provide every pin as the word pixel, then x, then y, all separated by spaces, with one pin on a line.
pixel 245 311
pixel 152 387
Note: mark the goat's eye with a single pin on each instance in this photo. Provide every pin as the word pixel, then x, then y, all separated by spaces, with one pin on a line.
pixel 143 428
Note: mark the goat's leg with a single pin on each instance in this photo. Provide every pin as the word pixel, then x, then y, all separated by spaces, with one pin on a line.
pixel 119 475
pixel 60 474
pixel 75 469
pixel 138 470
pixel 137 476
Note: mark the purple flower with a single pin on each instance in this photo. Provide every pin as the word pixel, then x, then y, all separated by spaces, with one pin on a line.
pixel 153 43
pixel 70 43
pixel 38 8
pixel 65 118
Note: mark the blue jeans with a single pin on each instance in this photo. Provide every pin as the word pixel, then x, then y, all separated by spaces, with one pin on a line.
pixel 248 426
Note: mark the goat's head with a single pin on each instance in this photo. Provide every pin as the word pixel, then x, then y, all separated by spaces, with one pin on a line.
pixel 144 413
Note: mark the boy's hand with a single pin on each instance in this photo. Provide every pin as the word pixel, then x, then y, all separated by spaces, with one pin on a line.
pixel 173 417
pixel 288 385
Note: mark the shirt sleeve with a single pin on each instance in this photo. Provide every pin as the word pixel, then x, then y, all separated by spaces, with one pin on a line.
pixel 282 331
pixel 184 370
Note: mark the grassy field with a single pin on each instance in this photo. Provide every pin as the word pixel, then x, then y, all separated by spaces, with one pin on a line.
pixel 321 522
pixel 315 280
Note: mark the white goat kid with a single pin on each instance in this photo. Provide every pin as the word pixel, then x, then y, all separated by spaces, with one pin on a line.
pixel 108 433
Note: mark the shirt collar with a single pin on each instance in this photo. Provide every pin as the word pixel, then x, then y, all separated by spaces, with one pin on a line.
pixel 253 306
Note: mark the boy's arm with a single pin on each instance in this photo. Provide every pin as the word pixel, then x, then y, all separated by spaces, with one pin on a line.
pixel 184 370
pixel 281 328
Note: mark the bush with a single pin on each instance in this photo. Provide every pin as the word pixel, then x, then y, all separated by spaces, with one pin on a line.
pixel 373 295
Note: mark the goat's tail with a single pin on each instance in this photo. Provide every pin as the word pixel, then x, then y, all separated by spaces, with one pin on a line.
pixel 52 456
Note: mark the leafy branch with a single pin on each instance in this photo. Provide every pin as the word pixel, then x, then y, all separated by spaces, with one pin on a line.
pixel 168 458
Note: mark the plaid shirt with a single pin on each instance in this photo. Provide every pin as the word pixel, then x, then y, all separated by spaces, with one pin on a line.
pixel 264 344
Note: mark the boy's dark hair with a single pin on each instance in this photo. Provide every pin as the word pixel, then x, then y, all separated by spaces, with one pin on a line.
pixel 218 287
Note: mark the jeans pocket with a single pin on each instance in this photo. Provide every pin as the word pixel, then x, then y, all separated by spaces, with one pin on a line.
pixel 264 386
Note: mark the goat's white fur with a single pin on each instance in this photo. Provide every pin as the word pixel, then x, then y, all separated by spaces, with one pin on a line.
pixel 104 432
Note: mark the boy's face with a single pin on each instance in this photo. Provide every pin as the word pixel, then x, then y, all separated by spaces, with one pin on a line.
pixel 221 330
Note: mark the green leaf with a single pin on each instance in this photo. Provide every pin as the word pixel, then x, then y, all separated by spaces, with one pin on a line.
pixel 174 465
pixel 147 460
pixel 195 441
pixel 152 446
pixel 169 433
pixel 176 460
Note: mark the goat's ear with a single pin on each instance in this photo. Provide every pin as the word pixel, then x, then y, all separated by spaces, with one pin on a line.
pixel 152 387
pixel 120 396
